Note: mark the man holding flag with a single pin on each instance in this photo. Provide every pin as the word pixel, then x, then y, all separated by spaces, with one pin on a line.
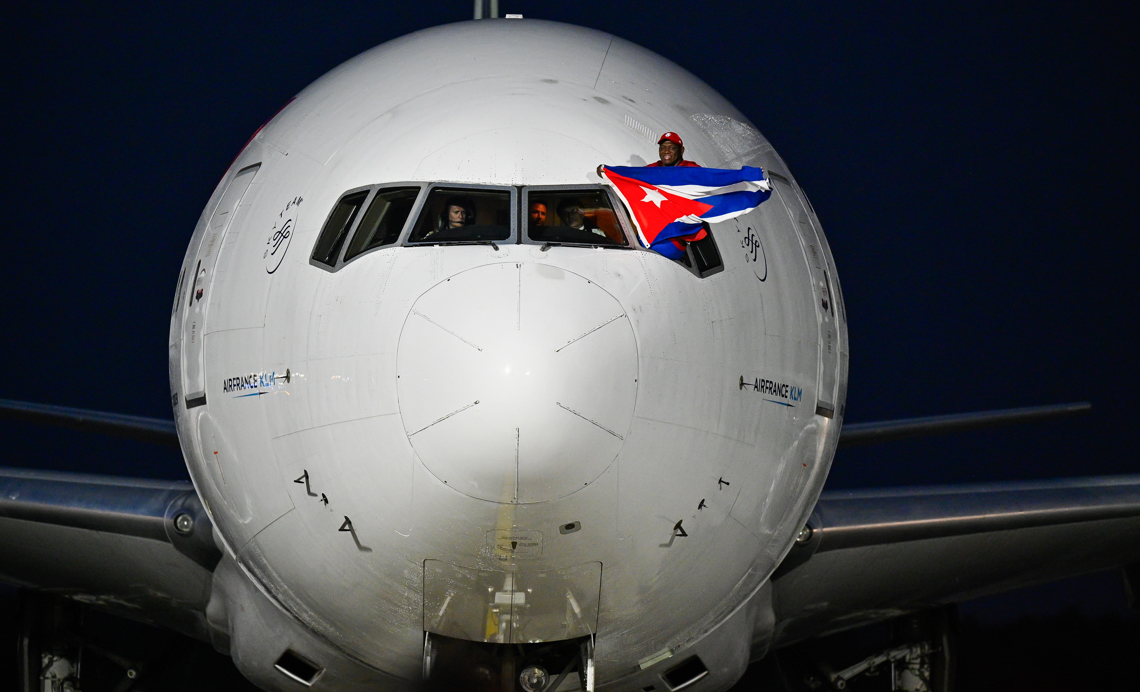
pixel 671 201
pixel 671 151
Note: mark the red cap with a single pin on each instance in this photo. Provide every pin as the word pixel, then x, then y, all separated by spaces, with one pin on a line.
pixel 672 137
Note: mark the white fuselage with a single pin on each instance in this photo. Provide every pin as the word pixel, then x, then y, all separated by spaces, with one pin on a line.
pixel 382 443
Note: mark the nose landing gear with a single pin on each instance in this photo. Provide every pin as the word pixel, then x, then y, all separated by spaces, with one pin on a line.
pixel 560 666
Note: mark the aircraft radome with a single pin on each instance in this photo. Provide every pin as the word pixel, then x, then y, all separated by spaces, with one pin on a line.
pixel 498 454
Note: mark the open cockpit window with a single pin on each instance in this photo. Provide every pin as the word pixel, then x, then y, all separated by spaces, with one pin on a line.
pixel 702 256
pixel 465 215
pixel 573 216
pixel 365 219
pixel 335 230
pixel 384 220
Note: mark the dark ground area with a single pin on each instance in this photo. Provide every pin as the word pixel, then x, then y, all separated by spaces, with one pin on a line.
pixel 1068 651
pixel 1038 653
pixel 1033 654
pixel 165 662
pixel 1076 648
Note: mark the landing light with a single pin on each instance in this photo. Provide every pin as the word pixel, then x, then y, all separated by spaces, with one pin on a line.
pixel 184 523
pixel 534 678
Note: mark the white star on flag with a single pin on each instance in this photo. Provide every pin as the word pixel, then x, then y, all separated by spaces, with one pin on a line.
pixel 654 195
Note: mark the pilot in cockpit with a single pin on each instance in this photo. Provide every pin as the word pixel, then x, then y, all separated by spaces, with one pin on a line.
pixel 456 213
pixel 537 214
pixel 572 215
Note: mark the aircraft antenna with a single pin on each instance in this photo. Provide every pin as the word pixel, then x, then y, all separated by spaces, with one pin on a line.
pixel 486 9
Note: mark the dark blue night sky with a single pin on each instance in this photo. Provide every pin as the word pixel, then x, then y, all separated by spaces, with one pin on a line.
pixel 974 166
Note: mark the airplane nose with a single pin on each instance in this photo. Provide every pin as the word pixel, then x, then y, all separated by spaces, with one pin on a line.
pixel 516 381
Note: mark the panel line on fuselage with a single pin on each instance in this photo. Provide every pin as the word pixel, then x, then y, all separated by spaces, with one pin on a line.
pixel 588 420
pixel 457 411
pixel 583 336
pixel 477 348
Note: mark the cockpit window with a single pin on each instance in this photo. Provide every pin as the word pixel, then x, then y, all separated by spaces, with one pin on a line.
pixel 414 213
pixel 463 215
pixel 336 228
pixel 574 217
pixel 384 219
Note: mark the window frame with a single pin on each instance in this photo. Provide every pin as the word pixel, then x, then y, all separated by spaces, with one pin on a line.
pixel 371 190
pixel 620 213
pixel 520 203
pixel 414 216
pixel 313 261
pixel 691 262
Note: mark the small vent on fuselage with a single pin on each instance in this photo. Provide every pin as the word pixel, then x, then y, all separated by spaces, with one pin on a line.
pixel 689 671
pixel 298 668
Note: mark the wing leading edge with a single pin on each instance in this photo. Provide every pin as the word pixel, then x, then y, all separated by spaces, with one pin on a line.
pixel 876 554
pixel 141 548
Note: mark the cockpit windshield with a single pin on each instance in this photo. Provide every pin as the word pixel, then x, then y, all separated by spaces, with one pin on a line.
pixel 385 218
pixel 457 215
pixel 386 215
pixel 575 217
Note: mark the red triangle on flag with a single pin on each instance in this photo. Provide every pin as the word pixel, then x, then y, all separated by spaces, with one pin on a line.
pixel 653 207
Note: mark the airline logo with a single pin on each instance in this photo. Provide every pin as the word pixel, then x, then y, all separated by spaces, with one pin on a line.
pixel 776 392
pixel 277 243
pixel 254 384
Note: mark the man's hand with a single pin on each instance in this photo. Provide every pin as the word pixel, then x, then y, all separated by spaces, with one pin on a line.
pixel 599 169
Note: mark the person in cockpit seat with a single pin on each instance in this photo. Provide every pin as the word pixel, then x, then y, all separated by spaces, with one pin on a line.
pixel 572 215
pixel 537 214
pixel 456 213
pixel 671 151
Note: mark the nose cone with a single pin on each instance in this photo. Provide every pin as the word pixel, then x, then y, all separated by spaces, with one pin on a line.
pixel 517 381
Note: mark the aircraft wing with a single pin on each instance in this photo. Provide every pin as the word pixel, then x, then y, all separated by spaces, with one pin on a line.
pixel 139 548
pixel 876 554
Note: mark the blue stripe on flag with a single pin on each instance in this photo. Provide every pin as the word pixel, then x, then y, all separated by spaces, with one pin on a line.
pixel 686 175
pixel 732 204
pixel 668 249
pixel 676 230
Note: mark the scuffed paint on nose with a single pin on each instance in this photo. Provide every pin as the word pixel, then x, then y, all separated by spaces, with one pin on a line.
pixel 517 381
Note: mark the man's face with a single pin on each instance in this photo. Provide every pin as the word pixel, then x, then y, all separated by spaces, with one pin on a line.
pixel 537 214
pixel 456 216
pixel 670 152
pixel 572 216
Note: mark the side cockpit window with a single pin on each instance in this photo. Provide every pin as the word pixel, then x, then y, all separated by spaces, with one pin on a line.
pixel 384 221
pixel 336 228
pixel 568 216
pixel 702 256
pixel 464 215
pixel 364 220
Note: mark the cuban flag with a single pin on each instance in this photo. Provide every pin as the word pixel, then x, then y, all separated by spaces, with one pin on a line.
pixel 671 204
